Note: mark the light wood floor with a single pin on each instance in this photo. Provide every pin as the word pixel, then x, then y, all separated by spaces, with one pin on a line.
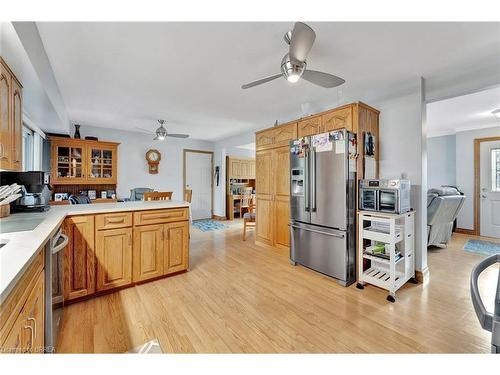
pixel 239 297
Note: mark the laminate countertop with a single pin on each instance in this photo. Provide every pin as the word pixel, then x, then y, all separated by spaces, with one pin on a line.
pixel 21 247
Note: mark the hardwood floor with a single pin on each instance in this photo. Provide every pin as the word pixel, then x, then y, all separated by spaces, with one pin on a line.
pixel 242 298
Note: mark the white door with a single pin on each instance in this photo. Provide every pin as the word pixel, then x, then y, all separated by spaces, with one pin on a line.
pixel 489 172
pixel 199 179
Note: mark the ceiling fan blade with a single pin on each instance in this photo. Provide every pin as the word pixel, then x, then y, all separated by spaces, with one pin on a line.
pixel 178 135
pixel 145 130
pixel 302 40
pixel 260 81
pixel 322 79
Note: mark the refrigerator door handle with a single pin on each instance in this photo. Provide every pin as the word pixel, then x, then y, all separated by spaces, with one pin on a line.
pixel 306 180
pixel 318 231
pixel 313 181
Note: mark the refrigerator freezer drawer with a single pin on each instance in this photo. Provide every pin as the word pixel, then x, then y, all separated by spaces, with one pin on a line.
pixel 321 249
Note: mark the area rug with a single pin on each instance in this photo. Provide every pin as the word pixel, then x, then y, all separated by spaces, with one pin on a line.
pixel 482 247
pixel 151 347
pixel 208 225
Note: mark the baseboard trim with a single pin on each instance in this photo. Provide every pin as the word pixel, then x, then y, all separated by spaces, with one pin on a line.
pixel 217 217
pixel 470 232
pixel 422 276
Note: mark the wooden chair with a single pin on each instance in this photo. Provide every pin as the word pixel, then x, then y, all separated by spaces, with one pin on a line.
pixel 246 200
pixel 248 220
pixel 188 195
pixel 158 196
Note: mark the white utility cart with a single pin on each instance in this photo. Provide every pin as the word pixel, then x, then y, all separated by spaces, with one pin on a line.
pixel 387 241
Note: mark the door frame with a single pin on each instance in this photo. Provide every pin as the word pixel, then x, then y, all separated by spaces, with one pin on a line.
pixel 476 230
pixel 184 152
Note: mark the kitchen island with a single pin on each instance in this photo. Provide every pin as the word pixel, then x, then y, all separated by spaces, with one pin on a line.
pixel 111 246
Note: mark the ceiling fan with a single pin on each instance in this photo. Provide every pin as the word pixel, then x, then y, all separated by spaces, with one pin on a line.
pixel 161 133
pixel 293 64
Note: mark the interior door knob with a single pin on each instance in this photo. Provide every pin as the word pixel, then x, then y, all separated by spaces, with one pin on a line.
pixel 483 196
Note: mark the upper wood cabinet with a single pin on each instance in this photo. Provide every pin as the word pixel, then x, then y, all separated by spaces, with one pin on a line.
pixel 309 126
pixel 79 257
pixel 76 161
pixel 276 136
pixel 337 119
pixel 114 258
pixel 11 120
pixel 238 168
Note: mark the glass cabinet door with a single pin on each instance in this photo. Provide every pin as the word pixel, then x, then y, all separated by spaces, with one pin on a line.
pixel 101 163
pixel 69 162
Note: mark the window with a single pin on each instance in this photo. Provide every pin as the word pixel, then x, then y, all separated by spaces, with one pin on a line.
pixel 28 146
pixel 495 169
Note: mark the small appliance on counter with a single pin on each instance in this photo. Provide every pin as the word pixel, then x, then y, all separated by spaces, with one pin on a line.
pixel 36 190
pixel 390 196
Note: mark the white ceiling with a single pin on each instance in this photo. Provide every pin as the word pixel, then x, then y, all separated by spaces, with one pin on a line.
pixel 124 75
pixel 467 112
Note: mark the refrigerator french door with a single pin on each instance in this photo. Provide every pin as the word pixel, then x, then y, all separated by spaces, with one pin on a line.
pixel 322 204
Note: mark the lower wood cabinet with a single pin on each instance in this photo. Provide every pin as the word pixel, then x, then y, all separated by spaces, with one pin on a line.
pixel 79 257
pixel 148 252
pixel 113 258
pixel 176 247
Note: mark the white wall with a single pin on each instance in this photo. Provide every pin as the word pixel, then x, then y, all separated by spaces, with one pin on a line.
pixel 465 171
pixel 401 147
pixel 441 160
pixel 132 165
pixel 223 148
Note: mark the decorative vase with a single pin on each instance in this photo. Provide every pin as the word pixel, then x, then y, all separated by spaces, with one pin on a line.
pixel 77 132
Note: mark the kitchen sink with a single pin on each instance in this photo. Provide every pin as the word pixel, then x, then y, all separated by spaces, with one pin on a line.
pixel 19 225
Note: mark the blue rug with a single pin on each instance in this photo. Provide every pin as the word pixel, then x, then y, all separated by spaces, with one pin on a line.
pixel 208 225
pixel 482 247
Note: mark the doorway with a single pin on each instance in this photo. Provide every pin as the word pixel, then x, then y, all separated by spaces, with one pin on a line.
pixel 198 166
pixel 489 186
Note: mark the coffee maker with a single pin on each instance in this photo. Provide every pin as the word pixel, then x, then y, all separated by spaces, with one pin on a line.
pixel 36 190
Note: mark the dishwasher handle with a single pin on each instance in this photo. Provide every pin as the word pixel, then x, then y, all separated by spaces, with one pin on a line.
pixel 55 249
pixel 485 317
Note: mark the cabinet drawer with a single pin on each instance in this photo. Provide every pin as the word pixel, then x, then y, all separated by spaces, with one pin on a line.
pixel 113 220
pixel 160 216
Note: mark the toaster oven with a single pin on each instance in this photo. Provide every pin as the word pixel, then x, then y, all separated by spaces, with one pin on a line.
pixel 391 196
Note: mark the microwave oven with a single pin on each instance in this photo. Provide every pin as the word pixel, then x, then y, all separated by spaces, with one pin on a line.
pixel 390 196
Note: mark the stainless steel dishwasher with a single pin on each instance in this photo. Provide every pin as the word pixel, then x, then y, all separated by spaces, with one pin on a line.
pixel 54 288
pixel 490 322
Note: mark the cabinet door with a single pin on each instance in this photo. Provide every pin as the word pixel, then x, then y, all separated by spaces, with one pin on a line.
pixel 284 134
pixel 33 313
pixel 114 258
pixel 5 118
pixel 79 257
pixel 176 255
pixel 15 341
pixel 264 139
pixel 281 173
pixel 235 168
pixel 101 168
pixel 309 126
pixel 338 119
pixel 17 127
pixel 265 191
pixel 147 261
pixel 68 164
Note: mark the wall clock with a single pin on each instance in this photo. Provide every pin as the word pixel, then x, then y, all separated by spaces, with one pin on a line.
pixel 153 158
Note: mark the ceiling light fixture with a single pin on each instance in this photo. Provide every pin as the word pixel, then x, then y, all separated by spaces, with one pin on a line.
pixel 496 113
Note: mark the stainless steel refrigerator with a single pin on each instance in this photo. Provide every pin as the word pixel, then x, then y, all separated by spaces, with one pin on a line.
pixel 322 204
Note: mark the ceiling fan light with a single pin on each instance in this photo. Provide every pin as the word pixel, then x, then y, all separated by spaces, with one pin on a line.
pixel 293 78
pixel 291 69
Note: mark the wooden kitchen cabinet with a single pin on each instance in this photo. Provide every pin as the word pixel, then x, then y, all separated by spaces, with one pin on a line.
pixel 11 122
pixel 34 314
pixel 77 161
pixel 79 257
pixel 148 252
pixel 241 169
pixel 113 249
pixel 265 198
pixel 309 126
pixel 337 119
pixel 281 173
pixel 176 247
pixel 277 136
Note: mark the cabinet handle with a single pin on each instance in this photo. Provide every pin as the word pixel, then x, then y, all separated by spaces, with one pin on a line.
pixel 31 334
pixel 116 220
pixel 34 327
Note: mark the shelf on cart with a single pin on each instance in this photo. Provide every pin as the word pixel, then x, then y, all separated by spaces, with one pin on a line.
pixel 380 277
pixel 377 234
pixel 378 258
